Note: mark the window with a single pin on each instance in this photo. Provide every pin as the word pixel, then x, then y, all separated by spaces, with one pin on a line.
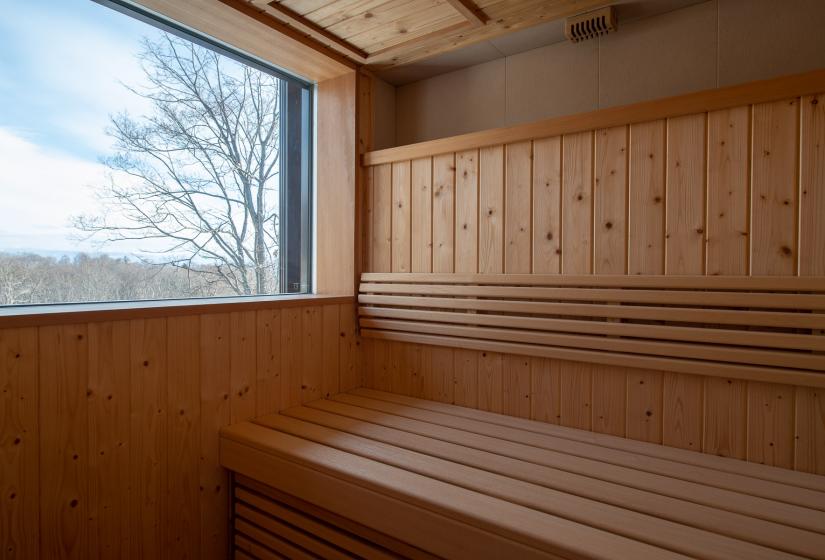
pixel 140 162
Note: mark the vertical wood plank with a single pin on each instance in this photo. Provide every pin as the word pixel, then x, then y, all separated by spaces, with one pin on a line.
pixel 215 389
pixel 725 430
pixel 291 356
pixel 728 170
pixel 809 451
pixel 576 382
pixel 646 198
pixel 465 392
pixel 182 448
pixel 242 363
pixel 682 411
pixel 63 357
pixel 609 400
pixel 381 363
pixel 350 375
pixel 369 220
pixel 330 349
pixel 516 386
pixel 644 405
pixel 545 390
pixel 490 390
pixel 466 211
pixel 774 188
pixel 491 210
pixel 147 472
pixel 268 367
pixel 438 380
pixel 517 208
pixel 812 224
pixel 311 334
pixel 401 217
pixel 610 201
pixel 422 215
pixel 382 218
pixel 109 436
pixel 685 212
pixel 771 424
pixel 577 204
pixel 443 213
pixel 547 205
pixel 19 453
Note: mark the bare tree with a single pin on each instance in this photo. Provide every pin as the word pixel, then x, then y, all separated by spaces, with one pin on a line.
pixel 200 172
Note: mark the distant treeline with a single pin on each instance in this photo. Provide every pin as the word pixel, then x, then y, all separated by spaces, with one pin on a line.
pixel 31 278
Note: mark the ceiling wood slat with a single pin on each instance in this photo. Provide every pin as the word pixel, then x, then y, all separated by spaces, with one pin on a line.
pixel 469 10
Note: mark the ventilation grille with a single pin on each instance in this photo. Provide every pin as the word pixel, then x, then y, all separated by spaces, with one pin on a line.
pixel 590 25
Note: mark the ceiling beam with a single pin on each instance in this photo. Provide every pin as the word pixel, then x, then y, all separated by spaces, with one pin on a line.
pixel 469 10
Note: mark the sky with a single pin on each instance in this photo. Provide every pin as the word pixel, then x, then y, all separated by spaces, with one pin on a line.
pixel 63 66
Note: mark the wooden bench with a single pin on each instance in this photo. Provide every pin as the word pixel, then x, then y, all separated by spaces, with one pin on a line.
pixel 399 476
pixel 759 328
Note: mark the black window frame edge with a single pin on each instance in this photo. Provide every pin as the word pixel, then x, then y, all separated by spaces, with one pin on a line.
pixel 306 125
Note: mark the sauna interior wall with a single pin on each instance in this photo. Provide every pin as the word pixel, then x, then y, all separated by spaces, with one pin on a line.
pixel 109 429
pixel 739 191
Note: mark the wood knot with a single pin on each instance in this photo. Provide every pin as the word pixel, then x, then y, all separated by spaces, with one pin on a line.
pixel 145 363
pixel 549 236
pixel 786 250
pixel 608 225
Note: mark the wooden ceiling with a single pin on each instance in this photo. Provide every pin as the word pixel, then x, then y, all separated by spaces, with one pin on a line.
pixel 383 34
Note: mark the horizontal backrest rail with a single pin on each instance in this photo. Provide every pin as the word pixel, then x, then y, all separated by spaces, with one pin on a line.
pixel 720 353
pixel 694 282
pixel 765 300
pixel 676 365
pixel 667 332
pixel 687 315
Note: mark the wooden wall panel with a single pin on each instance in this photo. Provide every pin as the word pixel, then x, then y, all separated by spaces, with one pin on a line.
pixel 646 199
pixel 547 206
pixel 610 201
pixel 577 204
pixel 109 433
pixel 685 235
pixel 401 217
pixel 516 386
pixel 491 210
pixel 517 205
pixel 443 213
pixel 466 211
pixel 732 191
pixel 381 260
pixel 422 215
pixel 728 176
pixel 774 188
pixel 19 444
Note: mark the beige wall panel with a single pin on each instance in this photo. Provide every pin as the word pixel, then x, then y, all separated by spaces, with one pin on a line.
pixel 401 217
pixel 577 204
pixel 422 215
pixel 658 57
pixel 491 210
pixel 462 101
pixel 444 213
pixel 646 196
pixel 761 39
pixel 535 90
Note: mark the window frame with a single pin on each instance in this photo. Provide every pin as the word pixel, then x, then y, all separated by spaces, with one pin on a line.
pixel 301 194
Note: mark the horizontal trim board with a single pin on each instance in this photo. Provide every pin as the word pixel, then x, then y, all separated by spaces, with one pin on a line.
pixel 39 315
pixel 676 365
pixel 695 282
pixel 686 314
pixel 709 100
pixel 724 354
pixel 767 300
pixel 664 332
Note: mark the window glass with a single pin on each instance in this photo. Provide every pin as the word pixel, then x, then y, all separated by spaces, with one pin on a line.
pixel 140 162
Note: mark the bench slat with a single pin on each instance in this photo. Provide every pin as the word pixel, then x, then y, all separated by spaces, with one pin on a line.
pixel 765 472
pixel 747 486
pixel 285 461
pixel 749 529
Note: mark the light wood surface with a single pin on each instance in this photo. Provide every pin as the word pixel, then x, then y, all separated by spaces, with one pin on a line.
pixel 109 444
pixel 422 451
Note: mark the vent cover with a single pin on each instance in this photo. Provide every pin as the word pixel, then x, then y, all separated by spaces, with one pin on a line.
pixel 590 25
